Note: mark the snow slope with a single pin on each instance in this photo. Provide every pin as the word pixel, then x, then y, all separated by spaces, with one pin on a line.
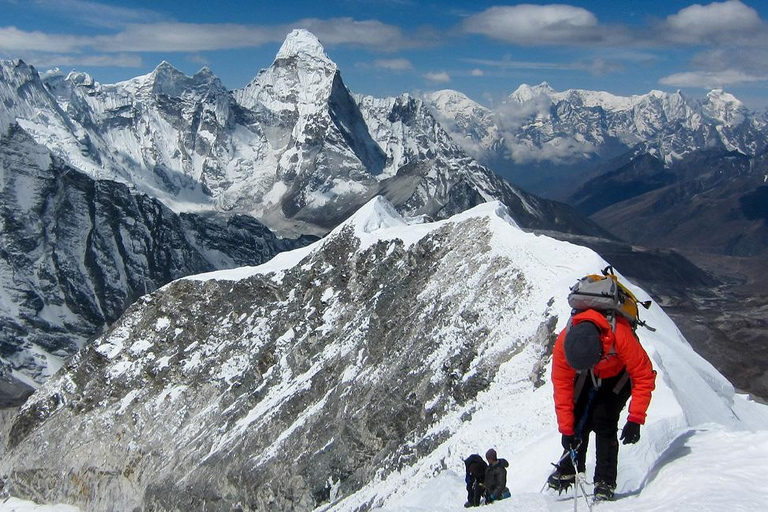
pixel 703 448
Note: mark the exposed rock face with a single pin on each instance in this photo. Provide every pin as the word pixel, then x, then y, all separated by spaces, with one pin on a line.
pixel 76 252
pixel 286 390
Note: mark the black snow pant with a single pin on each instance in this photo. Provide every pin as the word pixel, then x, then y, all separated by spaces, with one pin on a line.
pixel 474 491
pixel 597 410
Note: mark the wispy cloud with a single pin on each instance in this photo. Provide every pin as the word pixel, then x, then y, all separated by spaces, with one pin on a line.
pixel 186 37
pixel 394 64
pixel 97 14
pixel 195 37
pixel 439 77
pixel 13 39
pixel 48 60
pixel 711 79
pixel 597 66
pixel 372 34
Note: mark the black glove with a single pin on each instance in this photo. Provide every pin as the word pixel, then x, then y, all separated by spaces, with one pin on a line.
pixel 570 442
pixel 630 434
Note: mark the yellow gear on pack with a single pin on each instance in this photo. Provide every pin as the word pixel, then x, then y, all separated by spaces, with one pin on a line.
pixel 603 292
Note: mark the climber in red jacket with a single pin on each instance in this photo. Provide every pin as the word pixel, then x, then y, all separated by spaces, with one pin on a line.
pixel 594 372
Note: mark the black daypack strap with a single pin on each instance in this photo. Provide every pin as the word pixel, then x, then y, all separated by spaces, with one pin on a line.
pixel 621 383
pixel 579 385
pixel 596 383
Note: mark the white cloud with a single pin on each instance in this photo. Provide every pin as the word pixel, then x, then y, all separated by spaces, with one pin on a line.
pixel 394 64
pixel 196 37
pixel 13 39
pixel 477 72
pixel 438 77
pixel 48 60
pixel 538 25
pixel 730 21
pixel 711 79
pixel 558 24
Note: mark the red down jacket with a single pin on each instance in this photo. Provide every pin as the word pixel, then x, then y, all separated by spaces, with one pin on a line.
pixel 629 354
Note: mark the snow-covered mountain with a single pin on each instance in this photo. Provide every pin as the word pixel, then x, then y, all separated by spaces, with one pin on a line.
pixel 294 148
pixel 75 252
pixel 353 373
pixel 537 132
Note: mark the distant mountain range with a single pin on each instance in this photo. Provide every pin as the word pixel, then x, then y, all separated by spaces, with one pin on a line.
pixel 551 142
pixel 294 148
pixel 296 151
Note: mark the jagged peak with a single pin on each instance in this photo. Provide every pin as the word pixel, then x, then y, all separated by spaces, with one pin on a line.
pixel 301 42
pixel 165 68
pixel 17 66
pixel 81 78
pixel 453 100
pixel 204 71
pixel 527 92
pixel 720 96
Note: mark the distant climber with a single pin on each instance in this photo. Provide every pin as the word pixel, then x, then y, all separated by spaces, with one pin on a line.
pixel 475 476
pixel 495 478
pixel 594 372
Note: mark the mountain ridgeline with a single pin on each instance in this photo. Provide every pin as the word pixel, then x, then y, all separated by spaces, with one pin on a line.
pixel 294 148
pixel 538 134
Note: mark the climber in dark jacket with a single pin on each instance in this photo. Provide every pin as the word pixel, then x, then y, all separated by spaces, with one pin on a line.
pixel 495 478
pixel 475 466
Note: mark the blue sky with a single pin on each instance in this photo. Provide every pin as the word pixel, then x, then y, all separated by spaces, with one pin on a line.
pixel 485 49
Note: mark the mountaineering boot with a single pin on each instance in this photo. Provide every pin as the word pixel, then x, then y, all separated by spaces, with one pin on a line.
pixel 604 491
pixel 560 481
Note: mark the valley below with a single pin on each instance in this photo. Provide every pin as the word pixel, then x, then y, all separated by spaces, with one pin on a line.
pixel 728 324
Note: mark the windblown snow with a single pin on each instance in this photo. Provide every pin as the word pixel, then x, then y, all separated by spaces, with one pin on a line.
pixel 704 447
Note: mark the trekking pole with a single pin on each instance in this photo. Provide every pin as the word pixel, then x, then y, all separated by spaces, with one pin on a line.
pixel 575 481
pixel 578 483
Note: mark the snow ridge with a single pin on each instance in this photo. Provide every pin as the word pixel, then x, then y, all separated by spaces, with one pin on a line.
pixel 472 300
